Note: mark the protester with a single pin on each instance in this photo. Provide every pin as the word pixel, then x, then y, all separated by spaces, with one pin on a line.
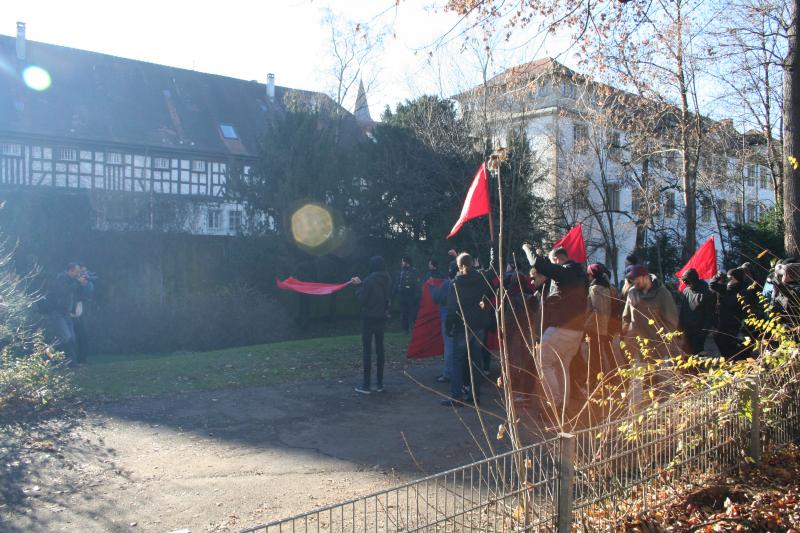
pixel 61 300
pixel 769 283
pixel 83 297
pixel 648 308
pixel 728 310
pixel 697 311
pixel 630 261
pixel 433 271
pixel 468 304
pixel 786 292
pixel 373 294
pixel 408 291
pixel 564 317
pixel 440 297
pixel 601 355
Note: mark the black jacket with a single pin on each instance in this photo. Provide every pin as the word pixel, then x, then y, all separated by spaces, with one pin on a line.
pixel 565 303
pixel 62 295
pixel 463 302
pixel 374 294
pixel 408 285
pixel 698 308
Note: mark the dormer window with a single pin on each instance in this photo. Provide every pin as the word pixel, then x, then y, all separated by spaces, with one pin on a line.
pixel 228 131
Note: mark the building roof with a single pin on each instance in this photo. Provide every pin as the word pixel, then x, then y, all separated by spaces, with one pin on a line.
pixel 102 98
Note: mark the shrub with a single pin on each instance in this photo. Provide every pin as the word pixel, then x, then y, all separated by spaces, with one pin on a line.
pixel 31 378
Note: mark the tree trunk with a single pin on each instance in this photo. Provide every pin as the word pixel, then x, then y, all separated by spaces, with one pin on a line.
pixel 689 173
pixel 791 142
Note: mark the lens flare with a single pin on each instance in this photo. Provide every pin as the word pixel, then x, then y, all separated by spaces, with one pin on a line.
pixel 36 78
pixel 312 225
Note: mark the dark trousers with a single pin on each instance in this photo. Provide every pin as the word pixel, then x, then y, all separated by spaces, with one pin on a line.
pixel 81 339
pixel 373 327
pixel 61 333
pixel 463 352
pixel 728 343
pixel 408 313
pixel 695 340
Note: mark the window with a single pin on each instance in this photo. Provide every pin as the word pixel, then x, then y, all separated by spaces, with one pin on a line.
pixel 543 89
pixel 752 212
pixel 705 210
pixel 750 174
pixel 580 192
pixel 68 154
pixel 12 149
pixel 580 137
pixel 567 90
pixel 636 201
pixel 722 210
pixel 228 131
pixel 234 220
pixel 615 144
pixel 736 212
pixel 114 158
pixel 612 196
pixel 671 160
pixel 764 175
pixel 669 204
pixel 214 219
pixel 161 163
pixel 198 166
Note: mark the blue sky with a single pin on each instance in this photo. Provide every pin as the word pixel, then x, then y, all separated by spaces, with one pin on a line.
pixel 248 39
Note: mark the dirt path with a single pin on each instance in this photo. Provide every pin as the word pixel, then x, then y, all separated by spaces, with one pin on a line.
pixel 225 460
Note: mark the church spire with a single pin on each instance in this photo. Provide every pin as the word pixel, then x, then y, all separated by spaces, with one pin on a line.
pixel 361 110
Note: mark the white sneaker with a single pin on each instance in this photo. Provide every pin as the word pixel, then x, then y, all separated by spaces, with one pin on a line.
pixel 361 390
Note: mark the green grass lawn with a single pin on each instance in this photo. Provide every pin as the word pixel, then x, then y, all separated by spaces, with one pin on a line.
pixel 117 377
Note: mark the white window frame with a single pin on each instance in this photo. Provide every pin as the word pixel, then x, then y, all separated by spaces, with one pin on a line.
pixel 67 154
pixel 12 149
pixel 198 165
pixel 114 158
pixel 234 214
pixel 161 163
pixel 214 215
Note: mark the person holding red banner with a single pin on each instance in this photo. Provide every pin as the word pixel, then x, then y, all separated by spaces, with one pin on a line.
pixel 697 312
pixel 373 293
pixel 564 316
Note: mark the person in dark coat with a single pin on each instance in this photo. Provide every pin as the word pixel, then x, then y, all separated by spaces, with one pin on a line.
pixel 408 291
pixel 733 301
pixel 697 312
pixel 433 271
pixel 564 315
pixel 468 303
pixel 786 292
pixel 62 296
pixel 373 294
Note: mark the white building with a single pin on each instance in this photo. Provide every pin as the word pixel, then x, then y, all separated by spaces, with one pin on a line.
pixel 600 173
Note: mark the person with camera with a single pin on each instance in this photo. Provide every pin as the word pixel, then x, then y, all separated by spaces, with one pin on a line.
pixel 62 298
pixel 373 294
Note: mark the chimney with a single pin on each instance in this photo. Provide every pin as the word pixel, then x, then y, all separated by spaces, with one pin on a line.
pixel 21 41
pixel 271 87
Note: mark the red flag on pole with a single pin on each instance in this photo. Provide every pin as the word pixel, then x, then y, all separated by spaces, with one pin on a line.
pixel 309 287
pixel 573 243
pixel 704 261
pixel 476 203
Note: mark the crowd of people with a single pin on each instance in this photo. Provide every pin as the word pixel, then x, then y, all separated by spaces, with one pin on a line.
pixel 581 315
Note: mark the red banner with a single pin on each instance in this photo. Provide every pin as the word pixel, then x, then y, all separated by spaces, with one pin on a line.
pixel 573 243
pixel 307 287
pixel 476 204
pixel 426 338
pixel 704 261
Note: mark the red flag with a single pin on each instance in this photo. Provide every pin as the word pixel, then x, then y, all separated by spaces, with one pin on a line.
pixel 426 338
pixel 704 261
pixel 307 287
pixel 573 243
pixel 477 202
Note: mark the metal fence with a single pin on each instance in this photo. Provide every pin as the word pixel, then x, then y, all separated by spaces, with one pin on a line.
pixel 585 480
